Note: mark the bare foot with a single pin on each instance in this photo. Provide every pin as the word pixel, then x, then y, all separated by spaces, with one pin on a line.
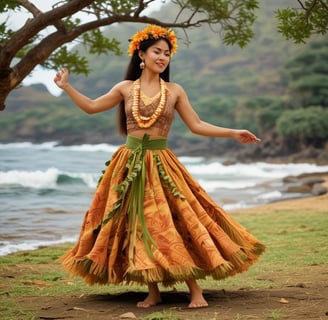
pixel 196 295
pixel 153 298
pixel 148 302
pixel 198 303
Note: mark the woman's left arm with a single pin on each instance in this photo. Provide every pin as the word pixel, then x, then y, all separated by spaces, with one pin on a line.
pixel 197 126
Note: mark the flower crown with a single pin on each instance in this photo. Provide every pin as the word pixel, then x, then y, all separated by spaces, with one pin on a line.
pixel 152 32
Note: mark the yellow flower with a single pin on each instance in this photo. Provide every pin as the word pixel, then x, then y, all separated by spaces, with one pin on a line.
pixel 153 32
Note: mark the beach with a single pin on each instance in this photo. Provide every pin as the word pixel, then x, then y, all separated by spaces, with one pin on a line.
pixel 288 282
pixel 45 190
pixel 317 204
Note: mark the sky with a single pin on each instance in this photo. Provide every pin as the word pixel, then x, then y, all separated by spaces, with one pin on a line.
pixel 15 21
pixel 40 75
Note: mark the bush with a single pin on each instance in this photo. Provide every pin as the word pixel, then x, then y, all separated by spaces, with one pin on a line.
pixel 308 126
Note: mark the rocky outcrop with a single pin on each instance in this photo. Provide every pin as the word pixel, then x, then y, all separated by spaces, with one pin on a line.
pixel 309 183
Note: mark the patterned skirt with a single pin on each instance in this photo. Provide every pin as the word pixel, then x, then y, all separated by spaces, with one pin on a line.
pixel 150 221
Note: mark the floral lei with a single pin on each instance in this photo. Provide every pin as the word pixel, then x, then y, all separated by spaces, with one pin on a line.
pixel 152 32
pixel 146 122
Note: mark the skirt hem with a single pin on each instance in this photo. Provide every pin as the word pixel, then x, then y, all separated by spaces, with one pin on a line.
pixel 93 273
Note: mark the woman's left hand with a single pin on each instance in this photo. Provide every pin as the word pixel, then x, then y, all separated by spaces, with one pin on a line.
pixel 244 136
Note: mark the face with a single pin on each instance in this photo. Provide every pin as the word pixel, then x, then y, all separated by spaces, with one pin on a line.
pixel 157 56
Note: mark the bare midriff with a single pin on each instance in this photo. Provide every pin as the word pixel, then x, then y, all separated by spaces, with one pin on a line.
pixel 152 132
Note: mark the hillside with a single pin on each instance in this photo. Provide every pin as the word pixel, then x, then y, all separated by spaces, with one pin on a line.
pixel 228 86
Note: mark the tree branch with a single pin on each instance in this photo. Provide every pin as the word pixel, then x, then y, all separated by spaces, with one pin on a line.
pixel 301 4
pixel 29 7
pixel 36 12
pixel 324 4
pixel 309 9
pixel 141 7
pixel 103 15
pixel 32 27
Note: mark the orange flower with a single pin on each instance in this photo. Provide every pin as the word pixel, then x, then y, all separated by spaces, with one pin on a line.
pixel 152 32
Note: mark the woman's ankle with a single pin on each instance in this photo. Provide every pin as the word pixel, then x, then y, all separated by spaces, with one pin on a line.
pixel 197 299
pixel 153 298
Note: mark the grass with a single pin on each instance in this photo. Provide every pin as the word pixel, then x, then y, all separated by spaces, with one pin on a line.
pixel 161 316
pixel 293 239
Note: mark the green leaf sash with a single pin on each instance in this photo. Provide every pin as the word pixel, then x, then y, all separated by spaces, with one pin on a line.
pixel 132 188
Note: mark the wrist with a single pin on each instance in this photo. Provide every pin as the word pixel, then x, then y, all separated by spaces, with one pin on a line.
pixel 65 86
pixel 234 134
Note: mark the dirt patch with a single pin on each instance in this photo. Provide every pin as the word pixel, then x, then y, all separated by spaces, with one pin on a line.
pixel 294 294
pixel 305 296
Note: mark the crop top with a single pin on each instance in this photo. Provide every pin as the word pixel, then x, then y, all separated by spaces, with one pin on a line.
pixel 147 108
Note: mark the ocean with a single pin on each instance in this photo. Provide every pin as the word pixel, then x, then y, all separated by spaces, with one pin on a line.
pixel 45 189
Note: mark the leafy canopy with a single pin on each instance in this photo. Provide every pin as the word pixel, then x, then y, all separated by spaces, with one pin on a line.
pixel 46 38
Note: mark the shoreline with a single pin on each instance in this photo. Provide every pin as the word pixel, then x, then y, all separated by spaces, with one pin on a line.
pixel 310 203
pixel 314 203
pixel 317 203
pixel 303 201
pixel 203 149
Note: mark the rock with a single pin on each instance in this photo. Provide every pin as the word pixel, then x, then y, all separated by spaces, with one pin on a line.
pixel 299 189
pixel 318 189
pixel 290 179
pixel 128 315
pixel 229 162
pixel 301 285
pixel 323 157
pixel 311 181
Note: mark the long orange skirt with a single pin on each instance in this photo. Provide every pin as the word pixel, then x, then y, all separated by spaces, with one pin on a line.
pixel 178 232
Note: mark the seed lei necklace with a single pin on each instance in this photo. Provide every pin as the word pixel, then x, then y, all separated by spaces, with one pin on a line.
pixel 143 121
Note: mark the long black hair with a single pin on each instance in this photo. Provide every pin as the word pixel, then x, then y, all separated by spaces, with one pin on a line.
pixel 133 72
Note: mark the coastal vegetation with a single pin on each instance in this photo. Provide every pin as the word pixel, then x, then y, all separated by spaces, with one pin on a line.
pixel 273 87
pixel 45 37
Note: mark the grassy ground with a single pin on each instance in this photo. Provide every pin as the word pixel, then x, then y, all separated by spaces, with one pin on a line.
pixel 289 281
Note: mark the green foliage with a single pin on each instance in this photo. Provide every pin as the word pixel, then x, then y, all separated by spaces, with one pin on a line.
pixel 267 118
pixel 122 6
pixel 307 75
pixel 226 85
pixel 246 119
pixel 236 18
pixel 7 5
pixel 308 125
pixel 4 32
pixel 233 20
pixel 165 315
pixel 241 33
pixel 310 82
pixel 293 25
pixel 99 44
pixel 50 120
pixel 314 56
pixel 64 58
pixel 219 107
pixel 299 24
pixel 263 113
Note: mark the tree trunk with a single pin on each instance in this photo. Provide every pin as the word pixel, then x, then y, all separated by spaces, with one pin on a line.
pixel 5 88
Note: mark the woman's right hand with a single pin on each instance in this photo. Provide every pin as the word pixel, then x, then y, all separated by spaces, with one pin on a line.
pixel 61 78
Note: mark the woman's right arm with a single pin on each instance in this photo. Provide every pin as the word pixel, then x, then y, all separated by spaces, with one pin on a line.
pixel 198 126
pixel 90 106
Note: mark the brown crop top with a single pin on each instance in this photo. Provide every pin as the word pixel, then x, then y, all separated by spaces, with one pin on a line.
pixel 147 108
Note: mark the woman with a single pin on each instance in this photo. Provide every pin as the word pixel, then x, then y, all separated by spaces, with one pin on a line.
pixel 150 222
